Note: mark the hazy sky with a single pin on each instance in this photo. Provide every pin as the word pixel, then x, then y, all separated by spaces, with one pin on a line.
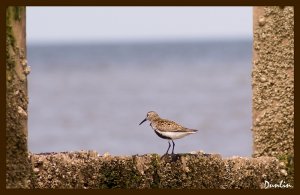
pixel 80 24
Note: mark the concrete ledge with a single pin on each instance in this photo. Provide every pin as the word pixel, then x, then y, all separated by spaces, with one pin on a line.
pixel 87 169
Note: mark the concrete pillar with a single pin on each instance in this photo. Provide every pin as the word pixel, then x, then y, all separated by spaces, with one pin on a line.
pixel 273 82
pixel 17 164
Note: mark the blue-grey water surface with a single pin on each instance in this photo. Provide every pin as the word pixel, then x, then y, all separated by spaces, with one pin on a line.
pixel 93 96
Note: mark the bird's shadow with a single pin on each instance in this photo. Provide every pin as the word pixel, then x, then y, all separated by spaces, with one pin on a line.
pixel 170 157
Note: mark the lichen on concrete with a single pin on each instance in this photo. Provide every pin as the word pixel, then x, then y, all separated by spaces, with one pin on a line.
pixel 273 81
pixel 87 169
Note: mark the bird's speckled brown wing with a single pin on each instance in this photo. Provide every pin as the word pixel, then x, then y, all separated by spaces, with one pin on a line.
pixel 171 126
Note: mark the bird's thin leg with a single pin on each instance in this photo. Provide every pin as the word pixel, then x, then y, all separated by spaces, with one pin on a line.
pixel 168 148
pixel 173 147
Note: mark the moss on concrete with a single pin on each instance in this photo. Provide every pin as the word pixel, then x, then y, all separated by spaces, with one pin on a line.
pixel 18 12
pixel 87 169
pixel 288 162
pixel 273 81
pixel 18 172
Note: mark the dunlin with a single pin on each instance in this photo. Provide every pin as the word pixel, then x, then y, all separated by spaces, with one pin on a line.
pixel 167 129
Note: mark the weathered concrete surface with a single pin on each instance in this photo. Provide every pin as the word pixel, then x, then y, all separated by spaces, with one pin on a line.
pixel 273 82
pixel 17 164
pixel 87 169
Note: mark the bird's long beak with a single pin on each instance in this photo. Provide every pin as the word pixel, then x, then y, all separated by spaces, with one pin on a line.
pixel 143 121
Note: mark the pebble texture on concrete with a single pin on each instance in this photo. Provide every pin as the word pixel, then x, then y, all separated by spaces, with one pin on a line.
pixel 273 81
pixel 87 169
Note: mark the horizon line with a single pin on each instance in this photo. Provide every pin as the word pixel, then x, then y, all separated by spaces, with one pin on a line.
pixel 137 41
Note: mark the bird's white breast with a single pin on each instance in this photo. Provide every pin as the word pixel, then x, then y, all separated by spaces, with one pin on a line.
pixel 174 135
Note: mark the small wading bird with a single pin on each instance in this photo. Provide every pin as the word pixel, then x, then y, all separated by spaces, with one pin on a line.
pixel 167 129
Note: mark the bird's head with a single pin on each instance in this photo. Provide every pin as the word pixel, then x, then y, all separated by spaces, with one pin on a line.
pixel 150 116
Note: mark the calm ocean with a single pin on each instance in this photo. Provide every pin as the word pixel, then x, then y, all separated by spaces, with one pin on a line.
pixel 93 96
